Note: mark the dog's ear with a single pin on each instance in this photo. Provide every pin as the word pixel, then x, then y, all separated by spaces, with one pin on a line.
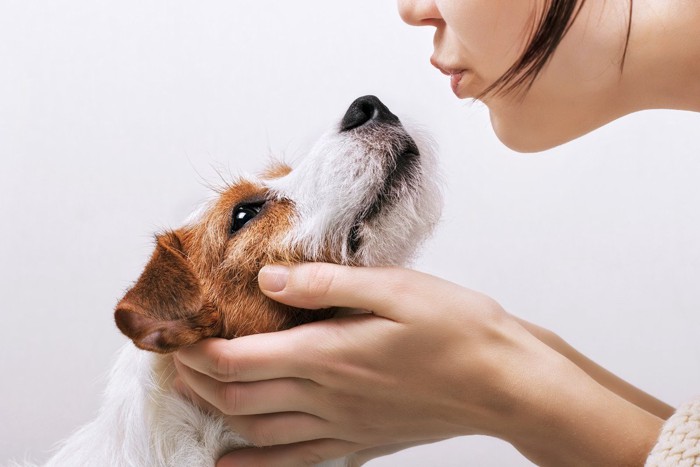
pixel 165 309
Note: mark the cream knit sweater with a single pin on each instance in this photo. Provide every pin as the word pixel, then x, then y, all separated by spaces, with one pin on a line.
pixel 679 443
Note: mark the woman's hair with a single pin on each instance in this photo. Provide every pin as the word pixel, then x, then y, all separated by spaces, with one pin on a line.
pixel 552 28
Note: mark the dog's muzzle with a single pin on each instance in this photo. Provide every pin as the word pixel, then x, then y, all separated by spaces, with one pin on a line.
pixel 363 114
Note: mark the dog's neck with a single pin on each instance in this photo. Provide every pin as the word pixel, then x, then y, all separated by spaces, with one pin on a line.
pixel 143 421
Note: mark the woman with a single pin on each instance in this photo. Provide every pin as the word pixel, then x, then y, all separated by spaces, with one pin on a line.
pixel 549 71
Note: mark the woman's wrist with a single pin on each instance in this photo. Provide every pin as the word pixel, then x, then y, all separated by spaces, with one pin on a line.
pixel 567 418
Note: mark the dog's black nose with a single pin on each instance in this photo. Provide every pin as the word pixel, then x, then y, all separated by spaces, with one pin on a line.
pixel 366 109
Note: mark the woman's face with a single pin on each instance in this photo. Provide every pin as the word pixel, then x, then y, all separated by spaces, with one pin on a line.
pixel 477 41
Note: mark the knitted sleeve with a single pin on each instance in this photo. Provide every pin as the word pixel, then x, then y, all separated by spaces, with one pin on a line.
pixel 679 443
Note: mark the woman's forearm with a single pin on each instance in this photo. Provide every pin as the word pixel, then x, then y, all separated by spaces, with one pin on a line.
pixel 604 377
pixel 600 428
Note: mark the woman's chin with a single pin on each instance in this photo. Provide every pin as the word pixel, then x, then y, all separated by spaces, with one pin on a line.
pixel 536 133
pixel 519 137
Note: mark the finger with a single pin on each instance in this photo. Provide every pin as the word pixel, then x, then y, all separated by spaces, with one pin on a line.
pixel 280 428
pixel 293 455
pixel 249 358
pixel 387 292
pixel 261 397
pixel 184 390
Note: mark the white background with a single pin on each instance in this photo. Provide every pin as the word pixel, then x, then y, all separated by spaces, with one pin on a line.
pixel 112 115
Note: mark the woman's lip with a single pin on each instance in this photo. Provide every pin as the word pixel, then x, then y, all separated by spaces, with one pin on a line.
pixel 455 74
pixel 446 70
pixel 455 79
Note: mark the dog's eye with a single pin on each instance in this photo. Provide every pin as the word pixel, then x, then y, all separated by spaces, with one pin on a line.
pixel 243 214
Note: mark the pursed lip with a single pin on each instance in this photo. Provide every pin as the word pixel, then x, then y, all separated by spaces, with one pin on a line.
pixel 455 73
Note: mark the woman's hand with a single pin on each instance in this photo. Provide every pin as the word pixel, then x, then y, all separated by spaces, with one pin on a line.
pixel 432 361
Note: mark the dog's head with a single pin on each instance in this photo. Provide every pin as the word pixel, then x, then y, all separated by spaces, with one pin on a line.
pixel 365 195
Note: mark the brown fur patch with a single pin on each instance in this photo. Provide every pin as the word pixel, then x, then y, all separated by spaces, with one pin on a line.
pixel 201 281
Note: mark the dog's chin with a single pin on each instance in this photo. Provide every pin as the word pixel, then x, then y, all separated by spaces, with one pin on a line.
pixel 400 180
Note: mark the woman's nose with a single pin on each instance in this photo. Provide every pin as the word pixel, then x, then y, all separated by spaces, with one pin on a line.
pixel 419 12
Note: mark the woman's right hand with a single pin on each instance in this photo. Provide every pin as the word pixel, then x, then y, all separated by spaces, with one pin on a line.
pixel 433 360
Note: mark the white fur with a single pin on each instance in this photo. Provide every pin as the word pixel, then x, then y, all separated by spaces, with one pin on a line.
pixel 339 178
pixel 133 424
pixel 142 421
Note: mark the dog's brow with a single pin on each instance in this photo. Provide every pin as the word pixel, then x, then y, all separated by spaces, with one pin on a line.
pixel 198 213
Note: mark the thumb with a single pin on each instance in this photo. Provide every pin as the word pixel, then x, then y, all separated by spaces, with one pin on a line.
pixel 323 285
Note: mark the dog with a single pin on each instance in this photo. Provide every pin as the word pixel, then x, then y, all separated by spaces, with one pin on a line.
pixel 365 195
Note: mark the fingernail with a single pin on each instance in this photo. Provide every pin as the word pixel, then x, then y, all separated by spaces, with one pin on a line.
pixel 273 278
